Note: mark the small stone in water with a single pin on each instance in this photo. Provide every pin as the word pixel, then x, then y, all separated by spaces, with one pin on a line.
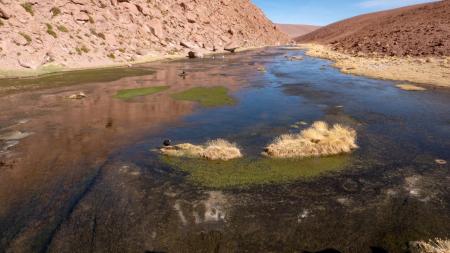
pixel 440 161
pixel 167 143
pixel 78 96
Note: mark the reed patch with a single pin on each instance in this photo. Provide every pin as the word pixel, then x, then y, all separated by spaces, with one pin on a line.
pixel 213 150
pixel 318 140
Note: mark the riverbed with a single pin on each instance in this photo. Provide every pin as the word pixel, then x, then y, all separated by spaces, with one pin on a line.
pixel 82 175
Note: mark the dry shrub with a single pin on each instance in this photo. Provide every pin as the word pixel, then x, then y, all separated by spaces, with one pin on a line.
pixel 213 150
pixel 318 140
pixel 432 246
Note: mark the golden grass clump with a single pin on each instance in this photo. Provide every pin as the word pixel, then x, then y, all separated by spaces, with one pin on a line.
pixel 213 150
pixel 318 140
pixel 432 246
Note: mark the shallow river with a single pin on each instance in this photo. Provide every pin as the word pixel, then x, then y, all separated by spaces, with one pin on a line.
pixel 83 176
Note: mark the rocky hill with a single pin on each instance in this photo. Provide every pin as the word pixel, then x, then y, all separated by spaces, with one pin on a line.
pixel 295 30
pixel 420 30
pixel 86 33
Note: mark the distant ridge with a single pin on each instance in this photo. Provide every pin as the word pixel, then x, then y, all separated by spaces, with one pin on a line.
pixel 294 30
pixel 419 30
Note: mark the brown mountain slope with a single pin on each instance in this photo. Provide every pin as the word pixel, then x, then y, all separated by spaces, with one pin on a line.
pixel 86 33
pixel 297 30
pixel 420 30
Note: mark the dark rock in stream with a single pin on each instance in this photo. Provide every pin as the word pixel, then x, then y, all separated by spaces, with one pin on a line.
pixel 167 143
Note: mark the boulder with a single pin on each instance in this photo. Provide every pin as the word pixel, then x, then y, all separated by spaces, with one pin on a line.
pixel 196 54
pixel 4 12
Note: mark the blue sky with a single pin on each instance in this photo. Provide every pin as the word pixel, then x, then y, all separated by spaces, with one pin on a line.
pixel 322 12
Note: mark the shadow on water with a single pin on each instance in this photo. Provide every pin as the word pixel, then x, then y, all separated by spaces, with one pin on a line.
pixel 377 199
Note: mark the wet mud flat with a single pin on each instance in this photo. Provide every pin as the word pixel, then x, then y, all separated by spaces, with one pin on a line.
pixel 85 178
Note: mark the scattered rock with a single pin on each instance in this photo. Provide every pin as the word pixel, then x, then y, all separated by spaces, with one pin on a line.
pixel 410 87
pixel 295 58
pixel 80 95
pixel 14 135
pixel 262 69
pixel 167 143
pixel 441 161
pixel 196 54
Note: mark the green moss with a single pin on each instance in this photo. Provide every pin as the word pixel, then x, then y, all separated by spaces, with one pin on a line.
pixel 132 93
pixel 91 19
pixel 55 11
pixel 1 23
pixel 28 7
pixel 206 96
pixel 26 37
pixel 51 31
pixel 258 171
pixel 111 55
pixel 62 28
pixel 14 85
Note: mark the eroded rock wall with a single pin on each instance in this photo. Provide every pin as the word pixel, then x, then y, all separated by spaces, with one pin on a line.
pixel 89 33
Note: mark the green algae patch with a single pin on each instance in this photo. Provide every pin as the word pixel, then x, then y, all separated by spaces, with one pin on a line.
pixel 69 78
pixel 241 173
pixel 138 92
pixel 206 96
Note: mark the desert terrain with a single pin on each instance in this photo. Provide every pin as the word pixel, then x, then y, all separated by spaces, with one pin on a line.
pixel 410 43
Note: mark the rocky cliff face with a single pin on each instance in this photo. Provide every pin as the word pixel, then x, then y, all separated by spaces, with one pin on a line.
pixel 89 33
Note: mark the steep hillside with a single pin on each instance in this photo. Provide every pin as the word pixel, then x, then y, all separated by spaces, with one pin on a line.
pixel 420 30
pixel 297 30
pixel 85 33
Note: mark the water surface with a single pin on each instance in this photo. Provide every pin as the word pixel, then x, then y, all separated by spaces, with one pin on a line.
pixel 84 177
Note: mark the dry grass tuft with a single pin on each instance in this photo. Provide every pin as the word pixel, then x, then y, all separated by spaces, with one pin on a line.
pixel 318 140
pixel 410 87
pixel 432 246
pixel 213 150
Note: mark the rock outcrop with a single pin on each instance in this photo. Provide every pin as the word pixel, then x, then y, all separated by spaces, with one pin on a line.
pixel 85 33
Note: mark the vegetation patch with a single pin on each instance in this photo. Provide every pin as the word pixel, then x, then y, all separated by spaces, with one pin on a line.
pixel 246 172
pixel 28 8
pixel 60 79
pixel 55 11
pixel 318 140
pixel 62 28
pixel 26 37
pixel 1 23
pixel 213 150
pixel 206 96
pixel 432 246
pixel 138 92
pixel 51 31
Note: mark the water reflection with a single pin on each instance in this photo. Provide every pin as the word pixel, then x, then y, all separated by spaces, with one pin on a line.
pixel 86 181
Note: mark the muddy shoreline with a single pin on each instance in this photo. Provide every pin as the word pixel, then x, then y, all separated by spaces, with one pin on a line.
pixel 57 69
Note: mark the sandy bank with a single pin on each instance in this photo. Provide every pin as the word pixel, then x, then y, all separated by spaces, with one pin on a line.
pixel 430 70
